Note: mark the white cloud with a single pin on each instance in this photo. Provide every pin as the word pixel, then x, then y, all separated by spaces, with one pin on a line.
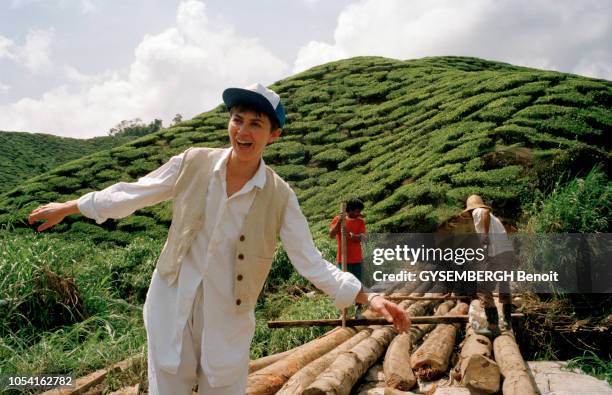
pixel 4 88
pixel 180 70
pixel 564 35
pixel 5 47
pixel 85 6
pixel 88 6
pixel 34 54
pixel 310 3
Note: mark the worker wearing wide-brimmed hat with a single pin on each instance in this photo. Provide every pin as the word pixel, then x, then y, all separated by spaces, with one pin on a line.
pixel 500 257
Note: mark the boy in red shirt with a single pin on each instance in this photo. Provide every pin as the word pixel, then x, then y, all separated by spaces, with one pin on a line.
pixel 355 232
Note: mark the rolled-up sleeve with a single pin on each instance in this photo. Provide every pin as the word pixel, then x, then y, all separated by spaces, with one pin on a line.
pixel 343 287
pixel 123 198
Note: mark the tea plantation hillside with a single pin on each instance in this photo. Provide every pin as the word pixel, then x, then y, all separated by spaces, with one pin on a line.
pixel 412 138
pixel 25 155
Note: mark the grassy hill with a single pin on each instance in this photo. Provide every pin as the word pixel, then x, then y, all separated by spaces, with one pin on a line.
pixel 25 155
pixel 412 138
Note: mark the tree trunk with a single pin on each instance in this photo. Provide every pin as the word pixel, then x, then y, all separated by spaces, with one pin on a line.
pixel 373 381
pixel 432 358
pixel 349 366
pixel 476 369
pixel 398 373
pixel 418 331
pixel 517 379
pixel 271 378
pixel 302 379
pixel 262 362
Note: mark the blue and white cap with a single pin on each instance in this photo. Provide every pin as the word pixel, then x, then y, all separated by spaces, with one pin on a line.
pixel 259 97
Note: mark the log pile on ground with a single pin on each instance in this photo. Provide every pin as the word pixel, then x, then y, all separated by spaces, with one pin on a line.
pixel 376 360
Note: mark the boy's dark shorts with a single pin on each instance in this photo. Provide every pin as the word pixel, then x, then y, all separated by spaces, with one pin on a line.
pixel 356 269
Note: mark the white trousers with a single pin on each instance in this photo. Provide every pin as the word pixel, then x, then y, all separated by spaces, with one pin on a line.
pixel 190 370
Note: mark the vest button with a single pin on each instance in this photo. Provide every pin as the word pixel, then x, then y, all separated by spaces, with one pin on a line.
pixel 238 302
pixel 240 256
pixel 241 237
pixel 239 277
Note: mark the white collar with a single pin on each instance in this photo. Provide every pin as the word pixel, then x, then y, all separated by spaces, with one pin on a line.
pixel 259 178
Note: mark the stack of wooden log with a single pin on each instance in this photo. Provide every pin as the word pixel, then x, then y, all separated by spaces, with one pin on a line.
pixel 374 359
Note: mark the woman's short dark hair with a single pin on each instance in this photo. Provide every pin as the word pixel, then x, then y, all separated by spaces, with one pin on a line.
pixel 248 108
pixel 353 203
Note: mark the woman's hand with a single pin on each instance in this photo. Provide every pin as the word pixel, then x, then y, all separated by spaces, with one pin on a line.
pixel 52 213
pixel 391 312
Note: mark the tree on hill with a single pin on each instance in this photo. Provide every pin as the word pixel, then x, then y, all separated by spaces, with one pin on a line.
pixel 135 128
pixel 178 118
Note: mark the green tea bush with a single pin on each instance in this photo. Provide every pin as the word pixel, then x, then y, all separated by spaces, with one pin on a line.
pixel 506 175
pixel 285 152
pixel 145 140
pixel 330 157
pixel 292 172
pixel 410 219
pixel 134 223
pixel 140 167
pixel 130 154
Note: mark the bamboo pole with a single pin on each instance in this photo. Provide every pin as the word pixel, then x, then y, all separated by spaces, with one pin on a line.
pixel 396 297
pixel 343 248
pixel 456 319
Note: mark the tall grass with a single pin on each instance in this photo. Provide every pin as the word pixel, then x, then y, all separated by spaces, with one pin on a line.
pixel 592 364
pixel 40 331
pixel 582 205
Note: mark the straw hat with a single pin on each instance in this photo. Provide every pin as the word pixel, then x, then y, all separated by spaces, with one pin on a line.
pixel 473 202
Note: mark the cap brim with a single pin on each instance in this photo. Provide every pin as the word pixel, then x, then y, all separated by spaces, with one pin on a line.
pixel 234 96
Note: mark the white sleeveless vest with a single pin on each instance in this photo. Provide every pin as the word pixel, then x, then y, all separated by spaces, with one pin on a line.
pixel 257 241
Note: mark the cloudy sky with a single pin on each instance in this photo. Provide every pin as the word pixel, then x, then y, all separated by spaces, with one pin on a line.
pixel 78 67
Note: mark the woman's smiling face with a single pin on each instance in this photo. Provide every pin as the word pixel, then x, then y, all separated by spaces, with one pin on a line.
pixel 249 133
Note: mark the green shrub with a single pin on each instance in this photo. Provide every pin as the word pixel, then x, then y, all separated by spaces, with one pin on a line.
pixel 140 167
pixel 506 175
pixel 583 205
pixel 331 156
pixel 135 223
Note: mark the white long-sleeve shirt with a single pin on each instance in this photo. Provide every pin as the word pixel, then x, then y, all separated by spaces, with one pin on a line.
pixel 226 335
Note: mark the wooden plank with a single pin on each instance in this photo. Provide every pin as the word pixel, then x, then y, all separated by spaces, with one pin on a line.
pixel 396 297
pixel 372 321
pixel 82 384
